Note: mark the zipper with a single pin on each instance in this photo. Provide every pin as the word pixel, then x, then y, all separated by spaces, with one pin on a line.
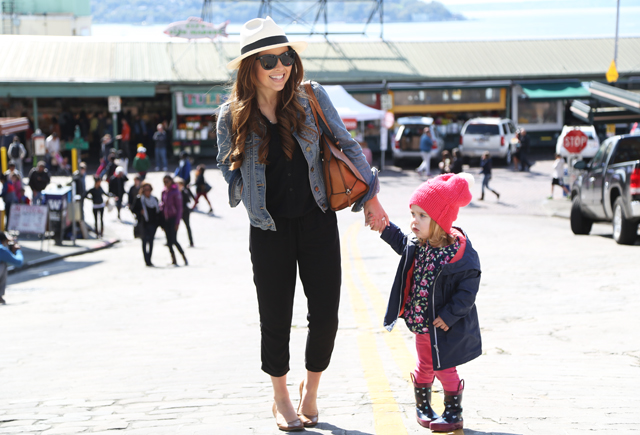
pixel 433 308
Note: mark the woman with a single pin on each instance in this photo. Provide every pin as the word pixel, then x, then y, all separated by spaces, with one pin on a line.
pixel 187 196
pixel 171 207
pixel 202 188
pixel 267 136
pixel 147 211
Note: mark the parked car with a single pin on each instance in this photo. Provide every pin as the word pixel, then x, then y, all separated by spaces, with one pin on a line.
pixel 406 144
pixel 593 143
pixel 608 189
pixel 488 134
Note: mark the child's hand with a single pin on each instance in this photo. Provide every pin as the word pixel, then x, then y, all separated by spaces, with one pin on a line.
pixel 439 323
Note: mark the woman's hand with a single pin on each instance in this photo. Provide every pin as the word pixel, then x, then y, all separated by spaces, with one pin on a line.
pixel 374 215
pixel 439 323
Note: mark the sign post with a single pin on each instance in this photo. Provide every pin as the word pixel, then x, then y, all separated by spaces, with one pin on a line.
pixel 574 142
pixel 115 105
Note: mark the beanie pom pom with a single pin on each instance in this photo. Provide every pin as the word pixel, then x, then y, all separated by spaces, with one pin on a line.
pixel 467 176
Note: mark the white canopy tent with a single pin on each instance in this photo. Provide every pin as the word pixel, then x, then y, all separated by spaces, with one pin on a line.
pixel 350 108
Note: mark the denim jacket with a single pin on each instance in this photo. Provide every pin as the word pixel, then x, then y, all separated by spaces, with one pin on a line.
pixel 248 183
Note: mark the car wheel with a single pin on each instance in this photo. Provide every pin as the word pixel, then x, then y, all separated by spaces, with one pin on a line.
pixel 580 224
pixel 625 231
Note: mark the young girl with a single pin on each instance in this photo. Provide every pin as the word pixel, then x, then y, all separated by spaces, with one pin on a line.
pixel 434 292
pixel 202 188
pixel 96 195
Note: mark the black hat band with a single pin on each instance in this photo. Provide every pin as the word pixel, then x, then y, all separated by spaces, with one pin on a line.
pixel 265 42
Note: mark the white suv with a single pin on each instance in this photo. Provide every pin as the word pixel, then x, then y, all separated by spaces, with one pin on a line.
pixel 406 143
pixel 593 143
pixel 488 134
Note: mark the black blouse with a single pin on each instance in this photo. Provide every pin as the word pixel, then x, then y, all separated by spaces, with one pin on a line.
pixel 288 187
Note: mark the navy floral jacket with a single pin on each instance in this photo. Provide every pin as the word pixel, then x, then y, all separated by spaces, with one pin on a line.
pixel 452 298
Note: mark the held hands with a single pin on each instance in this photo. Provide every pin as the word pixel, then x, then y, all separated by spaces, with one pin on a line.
pixel 439 323
pixel 374 215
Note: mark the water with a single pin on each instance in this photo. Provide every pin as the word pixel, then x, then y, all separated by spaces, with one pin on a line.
pixel 504 23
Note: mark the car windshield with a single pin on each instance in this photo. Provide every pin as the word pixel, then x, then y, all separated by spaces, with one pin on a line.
pixel 488 129
pixel 416 130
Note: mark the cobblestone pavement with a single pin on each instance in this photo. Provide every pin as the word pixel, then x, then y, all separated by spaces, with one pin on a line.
pixel 99 343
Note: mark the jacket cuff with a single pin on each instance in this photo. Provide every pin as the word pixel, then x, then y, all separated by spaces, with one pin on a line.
pixel 235 188
pixel 374 188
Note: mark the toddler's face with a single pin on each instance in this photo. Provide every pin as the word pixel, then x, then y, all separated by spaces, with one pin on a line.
pixel 420 222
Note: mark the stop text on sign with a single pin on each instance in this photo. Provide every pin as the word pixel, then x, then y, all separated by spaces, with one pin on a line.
pixel 575 141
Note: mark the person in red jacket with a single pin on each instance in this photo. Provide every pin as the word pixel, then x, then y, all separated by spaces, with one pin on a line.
pixel 171 207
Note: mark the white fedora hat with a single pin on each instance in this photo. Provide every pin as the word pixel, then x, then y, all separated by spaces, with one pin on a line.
pixel 262 34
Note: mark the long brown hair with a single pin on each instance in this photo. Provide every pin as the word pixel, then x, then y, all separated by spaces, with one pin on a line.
pixel 246 115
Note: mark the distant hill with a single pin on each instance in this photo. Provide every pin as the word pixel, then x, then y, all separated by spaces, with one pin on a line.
pixel 145 11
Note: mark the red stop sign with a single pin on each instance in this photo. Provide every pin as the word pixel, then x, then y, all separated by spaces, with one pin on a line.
pixel 575 141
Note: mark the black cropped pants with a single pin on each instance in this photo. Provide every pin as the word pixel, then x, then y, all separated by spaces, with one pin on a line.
pixel 311 244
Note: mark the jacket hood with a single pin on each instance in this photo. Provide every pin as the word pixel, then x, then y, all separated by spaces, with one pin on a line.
pixel 466 257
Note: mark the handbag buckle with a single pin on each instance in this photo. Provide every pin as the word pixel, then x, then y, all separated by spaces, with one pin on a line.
pixel 348 192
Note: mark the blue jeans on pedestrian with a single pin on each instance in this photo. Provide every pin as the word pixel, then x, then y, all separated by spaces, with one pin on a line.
pixel 161 158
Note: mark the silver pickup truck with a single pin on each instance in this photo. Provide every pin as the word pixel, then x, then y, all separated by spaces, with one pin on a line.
pixel 608 189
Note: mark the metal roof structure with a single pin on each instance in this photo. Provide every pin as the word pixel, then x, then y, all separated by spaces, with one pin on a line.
pixel 47 61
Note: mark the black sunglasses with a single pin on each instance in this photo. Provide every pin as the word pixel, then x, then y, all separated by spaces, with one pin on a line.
pixel 269 61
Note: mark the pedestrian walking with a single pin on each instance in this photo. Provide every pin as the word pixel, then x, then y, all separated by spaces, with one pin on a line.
pixel 134 191
pixel 557 175
pixel 426 143
pixel 184 168
pixel 116 187
pixel 202 187
pixel 52 157
pixel 8 194
pixel 171 207
pixel 105 148
pixel 17 152
pixel 187 196
pixel 486 164
pixel 525 143
pixel 96 195
pixel 161 140
pixel 141 162
pixel 147 211
pixel 39 179
pixel 445 163
pixel 434 291
pixel 10 253
pixel 456 165
pixel 517 154
pixel 291 224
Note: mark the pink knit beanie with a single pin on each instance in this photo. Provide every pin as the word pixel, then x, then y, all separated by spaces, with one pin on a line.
pixel 441 197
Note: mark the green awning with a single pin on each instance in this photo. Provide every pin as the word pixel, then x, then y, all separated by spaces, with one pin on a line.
pixel 555 91
pixel 72 90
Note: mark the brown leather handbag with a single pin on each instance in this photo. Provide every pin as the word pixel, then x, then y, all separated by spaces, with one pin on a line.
pixel 345 185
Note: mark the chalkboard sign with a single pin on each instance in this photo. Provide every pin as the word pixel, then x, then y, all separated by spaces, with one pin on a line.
pixel 30 219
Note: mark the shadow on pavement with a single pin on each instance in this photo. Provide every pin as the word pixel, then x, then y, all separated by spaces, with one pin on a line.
pixel 335 430
pixel 48 270
pixel 476 432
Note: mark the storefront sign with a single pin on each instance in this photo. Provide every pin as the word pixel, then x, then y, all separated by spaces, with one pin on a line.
pixel 199 103
pixel 195 28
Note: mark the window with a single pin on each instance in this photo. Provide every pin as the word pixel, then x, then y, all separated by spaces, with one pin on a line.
pixel 537 112
pixel 487 129
pixel 628 150
pixel 601 155
pixel 446 96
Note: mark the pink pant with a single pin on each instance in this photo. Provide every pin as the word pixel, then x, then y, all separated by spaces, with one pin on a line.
pixel 424 369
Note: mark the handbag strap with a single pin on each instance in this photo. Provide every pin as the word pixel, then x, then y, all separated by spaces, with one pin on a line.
pixel 318 114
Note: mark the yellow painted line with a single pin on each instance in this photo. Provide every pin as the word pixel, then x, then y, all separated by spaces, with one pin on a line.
pixel 404 359
pixel 386 413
